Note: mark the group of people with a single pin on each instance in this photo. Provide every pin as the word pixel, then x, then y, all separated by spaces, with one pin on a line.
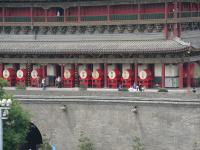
pixel 136 88
pixel 58 82
pixel 133 88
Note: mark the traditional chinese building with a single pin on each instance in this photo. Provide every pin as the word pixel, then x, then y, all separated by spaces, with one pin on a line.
pixel 100 43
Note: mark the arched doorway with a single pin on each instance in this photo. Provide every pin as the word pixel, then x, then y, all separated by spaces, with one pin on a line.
pixel 34 139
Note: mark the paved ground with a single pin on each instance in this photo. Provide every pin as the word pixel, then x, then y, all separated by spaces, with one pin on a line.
pixel 184 94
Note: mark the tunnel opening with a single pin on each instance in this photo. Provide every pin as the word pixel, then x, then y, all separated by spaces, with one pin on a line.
pixel 33 139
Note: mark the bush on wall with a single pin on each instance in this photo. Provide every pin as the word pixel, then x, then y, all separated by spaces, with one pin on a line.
pixel 85 143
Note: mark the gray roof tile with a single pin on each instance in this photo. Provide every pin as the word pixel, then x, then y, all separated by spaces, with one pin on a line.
pixel 91 46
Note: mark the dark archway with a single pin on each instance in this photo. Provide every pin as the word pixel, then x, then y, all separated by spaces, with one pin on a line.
pixel 34 139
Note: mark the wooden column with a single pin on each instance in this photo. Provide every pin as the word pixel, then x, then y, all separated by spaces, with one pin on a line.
pixel 79 14
pixel 138 10
pixel 108 13
pixel 46 14
pixel 136 73
pixel 3 14
pixel 28 68
pixel 3 17
pixel 190 9
pixel 175 33
pixel 180 66
pixel 55 70
pixel 76 75
pixel 179 25
pixel 188 75
pixel 105 75
pixel 166 17
pixel 64 15
pixel 31 14
pixel 44 71
pixel 62 71
pixel 1 70
pixel 163 76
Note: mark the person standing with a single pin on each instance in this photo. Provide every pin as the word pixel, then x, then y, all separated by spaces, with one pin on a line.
pixel 43 83
pixel 59 81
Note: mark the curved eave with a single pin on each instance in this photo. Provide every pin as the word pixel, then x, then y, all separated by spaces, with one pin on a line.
pixel 45 51
pixel 92 47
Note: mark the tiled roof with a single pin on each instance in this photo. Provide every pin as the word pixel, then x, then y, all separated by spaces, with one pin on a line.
pixel 76 47
pixel 80 37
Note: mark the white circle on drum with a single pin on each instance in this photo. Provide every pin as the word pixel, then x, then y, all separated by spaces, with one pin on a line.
pixel 34 74
pixel 20 74
pixel 95 74
pixel 83 74
pixel 6 74
pixel 143 75
pixel 125 75
pixel 67 74
pixel 111 74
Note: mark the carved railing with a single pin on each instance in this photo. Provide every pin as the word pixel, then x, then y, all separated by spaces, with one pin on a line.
pixel 103 18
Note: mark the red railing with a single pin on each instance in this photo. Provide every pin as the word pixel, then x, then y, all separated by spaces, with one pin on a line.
pixel 112 17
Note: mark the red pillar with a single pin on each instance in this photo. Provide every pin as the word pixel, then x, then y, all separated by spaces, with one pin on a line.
pixel 179 25
pixel 62 71
pixel 1 70
pixel 55 70
pixel 31 14
pixel 105 74
pixel 64 15
pixel 175 33
pixel 28 69
pixel 44 71
pixel 3 14
pixel 79 14
pixel 165 32
pixel 163 76
pixel 166 17
pixel 188 75
pixel 180 75
pixel 136 73
pixel 138 10
pixel 76 75
pixel 108 13
pixel 45 11
pixel 191 9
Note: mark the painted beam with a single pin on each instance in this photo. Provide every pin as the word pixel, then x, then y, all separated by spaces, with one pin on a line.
pixel 92 60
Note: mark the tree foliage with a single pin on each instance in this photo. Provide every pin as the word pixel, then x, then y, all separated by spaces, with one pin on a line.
pixel 85 143
pixel 3 83
pixel 15 128
pixel 46 145
pixel 138 144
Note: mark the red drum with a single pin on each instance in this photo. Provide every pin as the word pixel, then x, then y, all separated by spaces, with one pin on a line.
pixel 97 78
pixel 9 75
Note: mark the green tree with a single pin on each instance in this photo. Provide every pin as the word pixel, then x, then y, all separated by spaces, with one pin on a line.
pixel 138 144
pixel 85 143
pixel 3 83
pixel 15 128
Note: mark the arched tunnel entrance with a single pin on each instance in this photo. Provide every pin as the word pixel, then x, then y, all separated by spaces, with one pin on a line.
pixel 34 139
